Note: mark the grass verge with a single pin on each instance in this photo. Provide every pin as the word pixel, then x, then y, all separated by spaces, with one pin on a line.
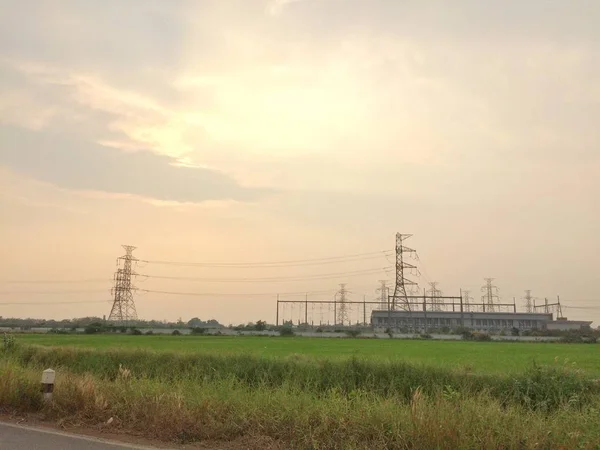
pixel 286 403
pixel 543 388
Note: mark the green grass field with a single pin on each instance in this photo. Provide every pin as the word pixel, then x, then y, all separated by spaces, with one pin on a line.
pixel 312 393
pixel 482 357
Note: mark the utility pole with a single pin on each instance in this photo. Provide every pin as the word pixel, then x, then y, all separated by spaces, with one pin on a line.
pixel 342 310
pixel 384 292
pixel 528 301
pixel 306 310
pixel 466 300
pixel 490 296
pixel 400 298
pixel 435 294
pixel 123 309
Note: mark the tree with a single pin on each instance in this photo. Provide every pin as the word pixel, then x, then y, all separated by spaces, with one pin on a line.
pixel 93 328
pixel 195 322
pixel 261 325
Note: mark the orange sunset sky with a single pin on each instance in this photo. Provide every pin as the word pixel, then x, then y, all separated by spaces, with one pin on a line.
pixel 240 131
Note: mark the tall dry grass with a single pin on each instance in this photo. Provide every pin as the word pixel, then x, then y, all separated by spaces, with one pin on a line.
pixel 543 388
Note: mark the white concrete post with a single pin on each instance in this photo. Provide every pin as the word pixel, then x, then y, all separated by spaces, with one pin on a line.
pixel 48 377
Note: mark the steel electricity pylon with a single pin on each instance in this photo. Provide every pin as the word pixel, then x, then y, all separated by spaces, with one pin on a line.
pixel 490 296
pixel 400 298
pixel 435 294
pixel 123 309
pixel 528 301
pixel 342 306
pixel 383 294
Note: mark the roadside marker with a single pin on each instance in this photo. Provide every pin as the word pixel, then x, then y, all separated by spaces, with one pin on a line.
pixel 48 377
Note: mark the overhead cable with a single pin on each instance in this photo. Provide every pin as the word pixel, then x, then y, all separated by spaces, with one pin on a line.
pixel 270 279
pixel 283 263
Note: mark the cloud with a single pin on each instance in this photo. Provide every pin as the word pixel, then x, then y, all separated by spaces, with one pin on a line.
pixel 41 96
pixel 78 165
pixel 276 6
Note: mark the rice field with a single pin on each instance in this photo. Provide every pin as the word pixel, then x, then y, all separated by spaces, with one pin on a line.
pixel 303 393
pixel 484 357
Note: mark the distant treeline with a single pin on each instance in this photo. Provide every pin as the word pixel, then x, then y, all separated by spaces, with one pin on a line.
pixel 84 322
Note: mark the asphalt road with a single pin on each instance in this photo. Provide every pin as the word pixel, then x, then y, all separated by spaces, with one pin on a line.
pixel 16 437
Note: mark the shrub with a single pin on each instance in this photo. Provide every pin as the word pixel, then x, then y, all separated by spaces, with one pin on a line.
pixel 481 336
pixel 136 332
pixel 8 342
pixel 149 333
pixel 353 333
pixel 93 328
pixel 176 333
pixel 286 331
pixel 467 335
pixel 198 330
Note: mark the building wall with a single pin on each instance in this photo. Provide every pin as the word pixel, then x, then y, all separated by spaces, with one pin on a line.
pixel 567 325
pixel 420 320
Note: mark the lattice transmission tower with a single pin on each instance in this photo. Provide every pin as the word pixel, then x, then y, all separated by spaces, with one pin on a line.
pixel 528 301
pixel 342 306
pixel 123 309
pixel 400 298
pixel 490 297
pixel 435 294
pixel 383 294
pixel 466 298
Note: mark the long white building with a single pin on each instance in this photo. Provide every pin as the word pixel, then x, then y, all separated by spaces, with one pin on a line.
pixel 483 321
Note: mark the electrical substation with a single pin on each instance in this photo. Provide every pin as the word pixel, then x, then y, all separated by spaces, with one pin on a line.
pixel 403 307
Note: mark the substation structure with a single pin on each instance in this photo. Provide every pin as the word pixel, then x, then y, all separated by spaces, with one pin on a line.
pixel 325 313
pixel 423 314
pixel 336 313
pixel 419 314
pixel 404 311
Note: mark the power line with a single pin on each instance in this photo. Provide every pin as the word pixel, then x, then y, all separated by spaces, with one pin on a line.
pixel 96 291
pixel 286 263
pixel 270 279
pixel 95 280
pixel 228 280
pixel 52 303
pixel 217 294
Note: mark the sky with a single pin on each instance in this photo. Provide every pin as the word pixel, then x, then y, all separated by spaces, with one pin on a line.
pixel 244 131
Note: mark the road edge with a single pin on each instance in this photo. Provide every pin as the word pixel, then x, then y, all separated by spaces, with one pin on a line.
pixel 43 430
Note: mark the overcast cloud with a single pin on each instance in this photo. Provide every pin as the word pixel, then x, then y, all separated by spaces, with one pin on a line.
pixel 331 124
